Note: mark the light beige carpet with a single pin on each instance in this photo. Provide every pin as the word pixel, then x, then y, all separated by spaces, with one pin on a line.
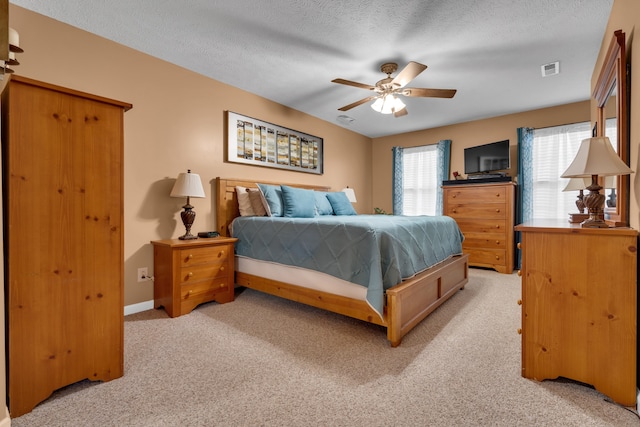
pixel 264 361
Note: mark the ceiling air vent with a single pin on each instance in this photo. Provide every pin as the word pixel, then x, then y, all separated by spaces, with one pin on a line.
pixel 550 69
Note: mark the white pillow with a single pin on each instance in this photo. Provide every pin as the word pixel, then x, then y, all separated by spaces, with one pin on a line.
pixel 244 202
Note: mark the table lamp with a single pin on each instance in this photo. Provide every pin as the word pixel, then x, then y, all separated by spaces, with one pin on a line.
pixel 595 157
pixel 188 185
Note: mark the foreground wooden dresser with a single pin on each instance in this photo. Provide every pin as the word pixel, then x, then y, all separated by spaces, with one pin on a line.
pixel 63 206
pixel 188 273
pixel 485 214
pixel 579 306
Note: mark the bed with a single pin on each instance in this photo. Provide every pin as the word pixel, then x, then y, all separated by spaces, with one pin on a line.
pixel 404 304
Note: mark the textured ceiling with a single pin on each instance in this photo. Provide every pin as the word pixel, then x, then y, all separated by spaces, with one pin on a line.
pixel 289 51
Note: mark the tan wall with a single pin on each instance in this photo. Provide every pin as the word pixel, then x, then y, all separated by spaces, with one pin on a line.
pixel 177 122
pixel 625 16
pixel 466 135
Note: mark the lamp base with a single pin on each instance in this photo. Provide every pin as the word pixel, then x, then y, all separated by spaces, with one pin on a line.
pixel 577 218
pixel 188 237
pixel 594 222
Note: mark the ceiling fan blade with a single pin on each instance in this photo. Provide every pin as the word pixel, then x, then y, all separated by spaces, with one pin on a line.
pixel 408 73
pixel 401 113
pixel 429 93
pixel 355 104
pixel 350 83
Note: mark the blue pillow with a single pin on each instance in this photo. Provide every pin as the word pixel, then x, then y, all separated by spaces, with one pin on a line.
pixel 273 196
pixel 323 205
pixel 298 202
pixel 341 204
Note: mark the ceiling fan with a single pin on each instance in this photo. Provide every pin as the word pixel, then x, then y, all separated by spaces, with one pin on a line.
pixel 386 89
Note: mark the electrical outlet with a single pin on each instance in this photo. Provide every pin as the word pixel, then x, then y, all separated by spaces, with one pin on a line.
pixel 143 276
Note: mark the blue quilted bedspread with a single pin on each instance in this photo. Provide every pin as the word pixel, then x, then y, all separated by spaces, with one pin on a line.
pixel 376 251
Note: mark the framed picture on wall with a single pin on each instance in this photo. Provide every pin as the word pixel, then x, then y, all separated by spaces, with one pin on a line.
pixel 259 143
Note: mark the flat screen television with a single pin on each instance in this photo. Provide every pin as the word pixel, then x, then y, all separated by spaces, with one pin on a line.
pixel 487 158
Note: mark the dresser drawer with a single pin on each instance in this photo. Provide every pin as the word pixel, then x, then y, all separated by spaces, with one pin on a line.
pixel 194 256
pixel 482 195
pixel 487 257
pixel 470 210
pixel 493 226
pixel 486 241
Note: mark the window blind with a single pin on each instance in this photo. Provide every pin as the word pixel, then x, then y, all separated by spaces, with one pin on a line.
pixel 420 167
pixel 554 149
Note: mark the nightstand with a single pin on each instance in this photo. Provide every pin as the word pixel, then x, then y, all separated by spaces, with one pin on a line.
pixel 191 272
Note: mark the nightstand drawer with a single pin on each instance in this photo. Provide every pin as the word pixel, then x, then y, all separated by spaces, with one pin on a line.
pixel 195 273
pixel 194 256
pixel 191 295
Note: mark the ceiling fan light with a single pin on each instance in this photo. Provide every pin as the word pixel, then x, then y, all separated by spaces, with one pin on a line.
pixel 388 102
pixel 398 104
pixel 377 105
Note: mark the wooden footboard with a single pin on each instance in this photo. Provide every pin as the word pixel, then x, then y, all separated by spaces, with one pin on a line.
pixel 408 303
pixel 412 300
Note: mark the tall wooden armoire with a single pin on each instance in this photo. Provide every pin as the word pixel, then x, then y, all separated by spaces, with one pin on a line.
pixel 63 244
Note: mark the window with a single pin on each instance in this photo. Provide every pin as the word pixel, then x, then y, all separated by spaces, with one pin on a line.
pixel 420 180
pixel 554 149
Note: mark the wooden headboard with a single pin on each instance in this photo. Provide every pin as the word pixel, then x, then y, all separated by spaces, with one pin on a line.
pixel 227 201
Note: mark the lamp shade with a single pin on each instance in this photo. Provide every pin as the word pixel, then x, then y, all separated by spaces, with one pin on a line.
pixel 575 184
pixel 187 185
pixel 351 195
pixel 596 157
pixel 610 182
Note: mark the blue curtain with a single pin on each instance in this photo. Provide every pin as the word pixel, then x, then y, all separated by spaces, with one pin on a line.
pixel 444 159
pixel 524 208
pixel 442 173
pixel 397 180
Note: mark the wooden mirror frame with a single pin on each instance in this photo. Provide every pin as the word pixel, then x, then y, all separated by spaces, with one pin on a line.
pixel 613 74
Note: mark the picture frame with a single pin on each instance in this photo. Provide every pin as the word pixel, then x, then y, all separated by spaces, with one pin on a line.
pixel 259 143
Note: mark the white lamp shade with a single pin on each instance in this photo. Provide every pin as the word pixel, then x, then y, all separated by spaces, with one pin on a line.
pixel 387 104
pixel 596 157
pixel 188 185
pixel 575 184
pixel 610 181
pixel 351 195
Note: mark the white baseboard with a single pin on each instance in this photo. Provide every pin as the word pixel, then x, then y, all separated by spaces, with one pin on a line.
pixel 6 421
pixel 137 308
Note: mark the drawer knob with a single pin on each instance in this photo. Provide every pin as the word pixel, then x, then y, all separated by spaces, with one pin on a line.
pixel 498 226
pixel 519 302
pixel 222 268
pixel 519 245
pixel 519 331
pixel 454 196
pixel 221 254
pixel 498 210
pixel 190 274
pixel 519 273
pixel 189 293
pixel 190 256
pixel 497 257
pixel 454 211
pixel 497 242
pixel 222 285
pixel 497 194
